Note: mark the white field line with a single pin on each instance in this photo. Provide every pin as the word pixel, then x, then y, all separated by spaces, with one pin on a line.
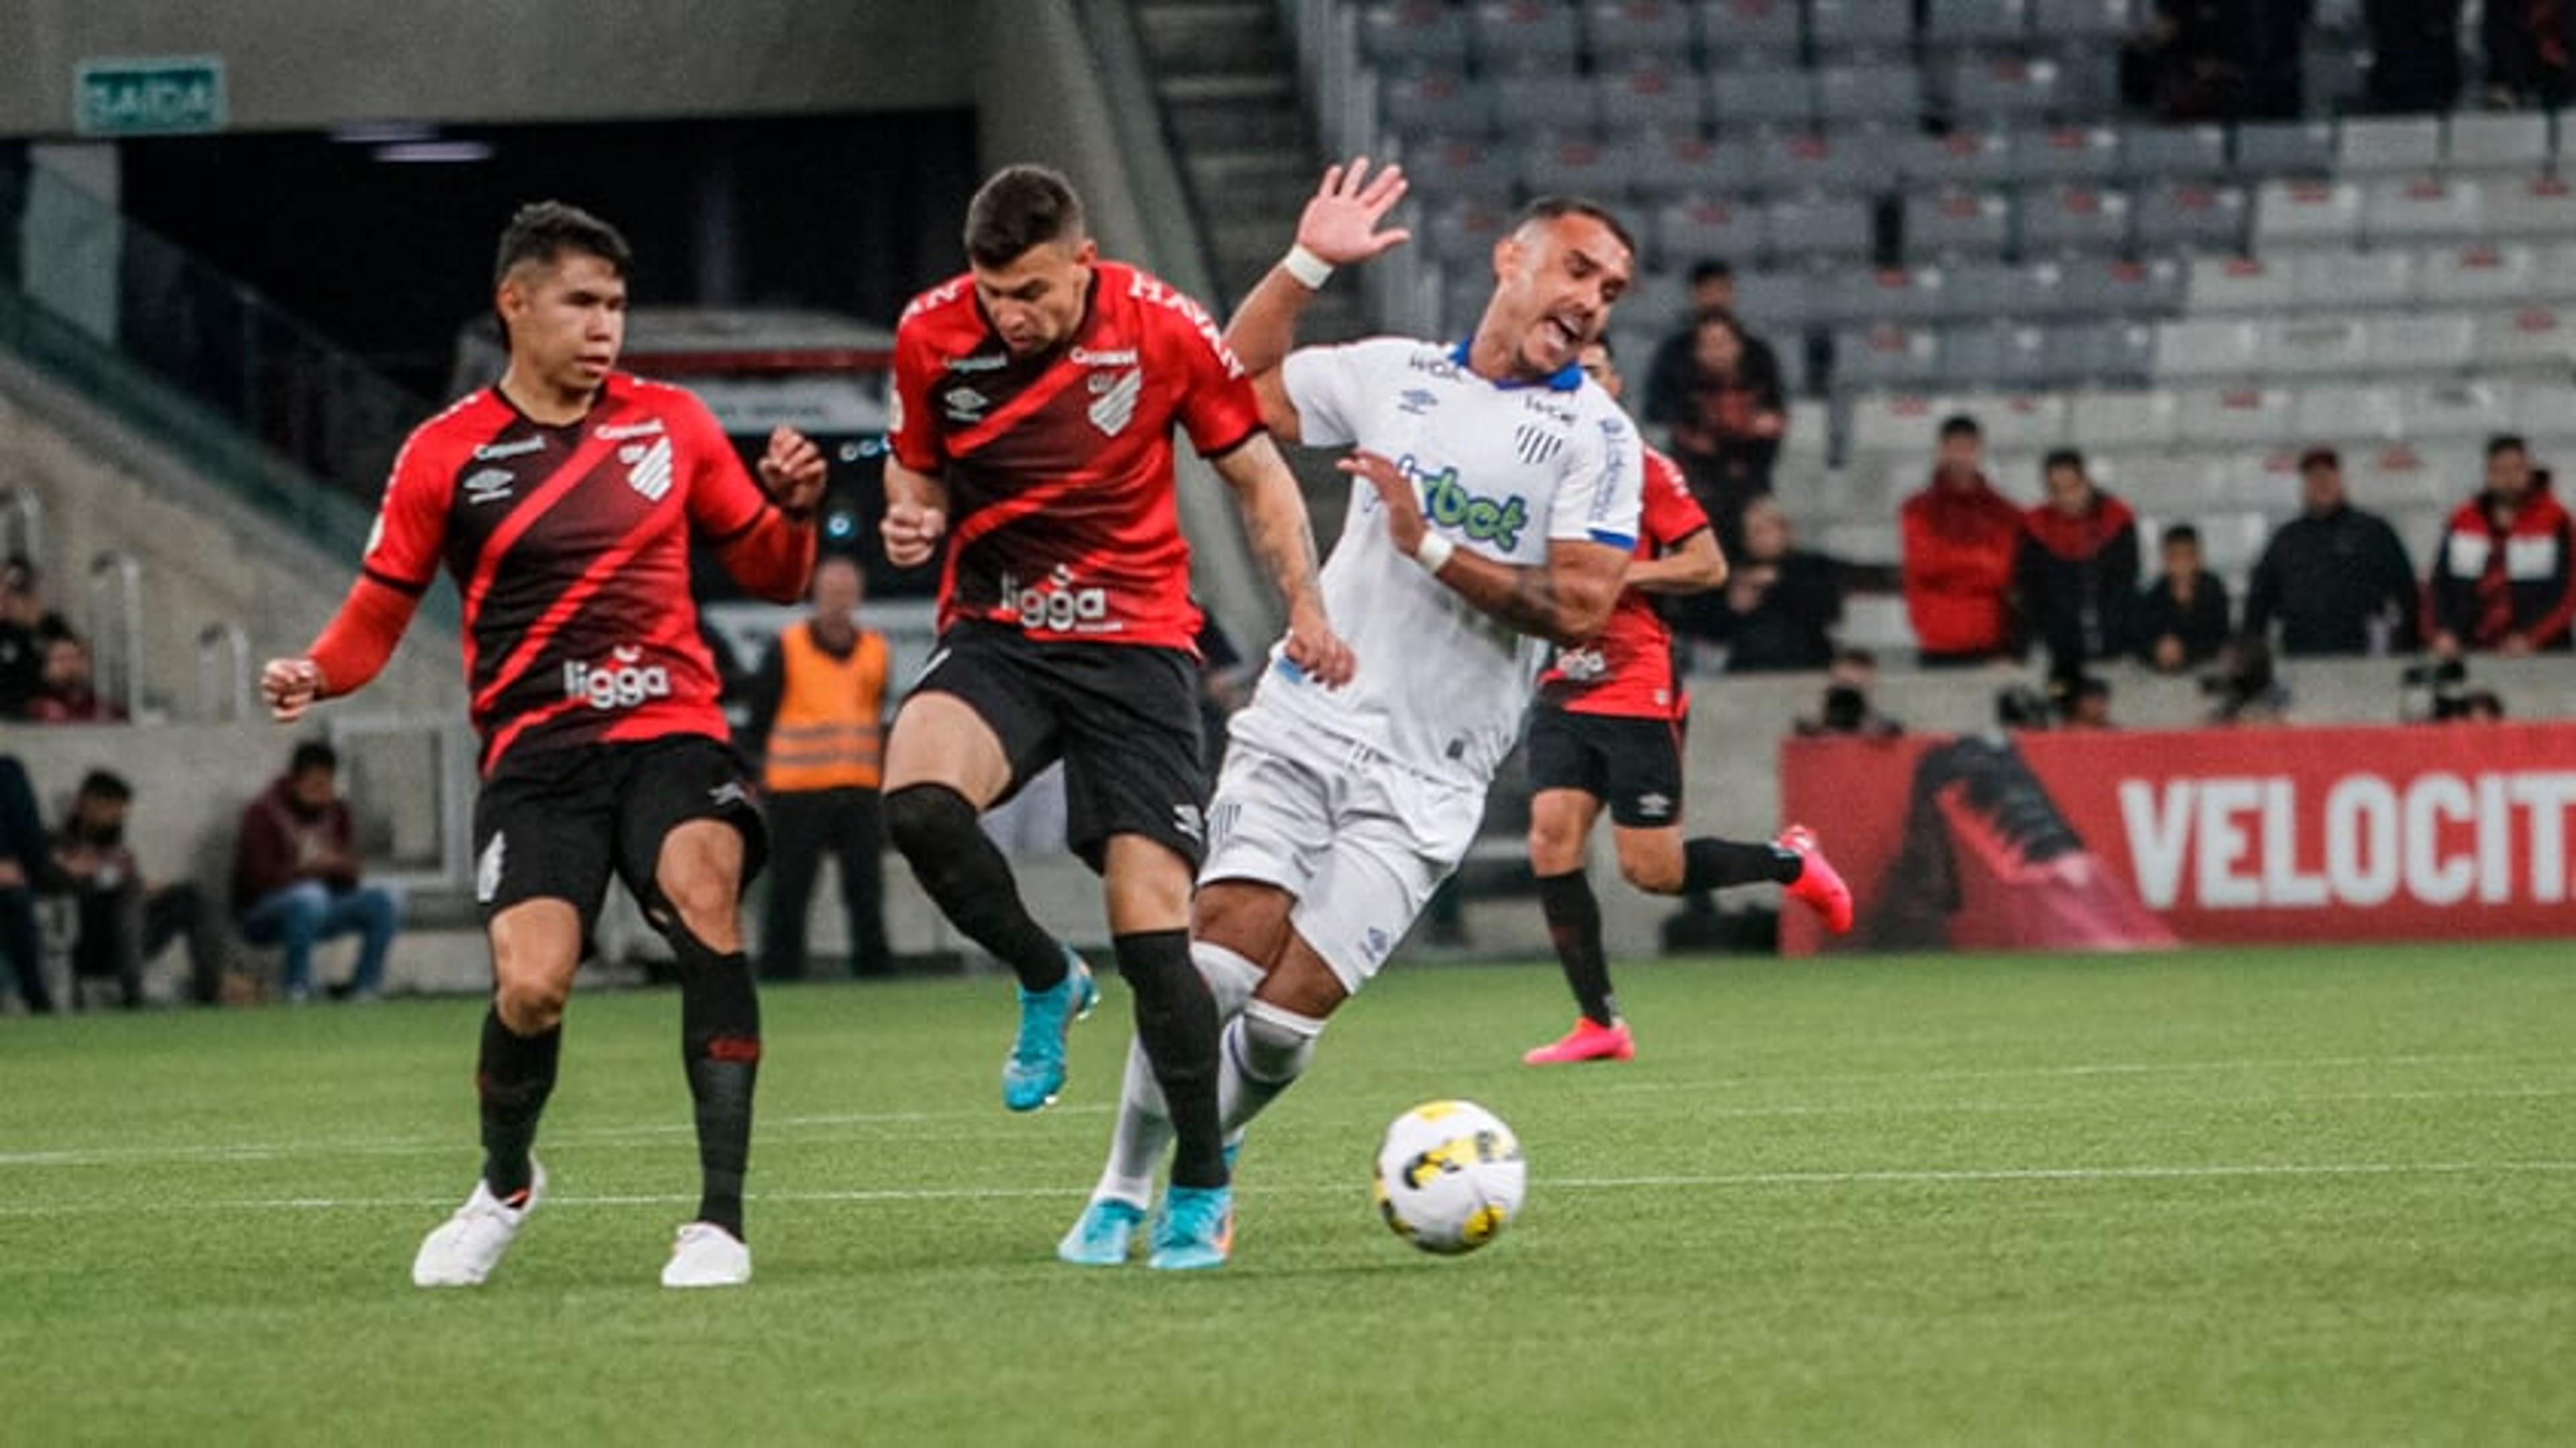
pixel 1717 1181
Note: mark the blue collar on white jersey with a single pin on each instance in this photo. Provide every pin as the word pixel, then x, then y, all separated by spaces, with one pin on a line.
pixel 1567 378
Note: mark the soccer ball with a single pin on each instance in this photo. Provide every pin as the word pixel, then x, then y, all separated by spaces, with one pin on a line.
pixel 1449 1176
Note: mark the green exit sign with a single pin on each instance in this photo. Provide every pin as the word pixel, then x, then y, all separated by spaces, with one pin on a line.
pixel 171 96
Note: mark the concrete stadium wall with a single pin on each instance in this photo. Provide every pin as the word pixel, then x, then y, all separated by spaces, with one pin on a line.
pixel 312 64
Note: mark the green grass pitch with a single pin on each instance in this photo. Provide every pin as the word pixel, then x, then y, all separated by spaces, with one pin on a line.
pixel 2221 1197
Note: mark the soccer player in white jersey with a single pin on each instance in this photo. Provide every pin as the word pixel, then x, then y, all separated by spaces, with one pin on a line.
pixel 1501 511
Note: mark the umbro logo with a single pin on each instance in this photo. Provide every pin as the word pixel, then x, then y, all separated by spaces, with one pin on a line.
pixel 729 792
pixel 1378 943
pixel 965 404
pixel 1654 806
pixel 1417 401
pixel 491 485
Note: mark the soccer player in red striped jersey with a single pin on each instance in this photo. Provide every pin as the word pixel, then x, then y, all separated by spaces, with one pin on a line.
pixel 562 500
pixel 1034 403
pixel 1607 726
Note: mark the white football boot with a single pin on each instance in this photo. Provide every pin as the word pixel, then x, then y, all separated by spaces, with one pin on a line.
pixel 467 1246
pixel 707 1255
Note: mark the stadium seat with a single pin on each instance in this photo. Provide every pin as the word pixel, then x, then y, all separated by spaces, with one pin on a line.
pixel 2508 141
pixel 1505 33
pixel 1414 33
pixel 2265 479
pixel 2102 353
pixel 2538 206
pixel 1544 102
pixel 2456 411
pixel 2088 81
pixel 1867 91
pixel 2537 408
pixel 2231 542
pixel 2134 418
pixel 2420 342
pixel 1442 169
pixel 1956 221
pixel 2020 421
pixel 1854 25
pixel 1979 89
pixel 1651 95
pixel 1782 301
pixel 1852 163
pixel 1898 425
pixel 2306 213
pixel 1463 232
pixel 2481 274
pixel 2234 414
pixel 1744 32
pixel 2423 208
pixel 2072 218
pixel 2535 338
pixel 1995 354
pixel 1835 227
pixel 1885 356
pixel 2232 285
pixel 1628 31
pixel 2355 279
pixel 1765 99
pixel 2189 215
pixel 1887 294
pixel 2315 344
pixel 2395 475
pixel 1998 289
pixel 2169 484
pixel 2554 277
pixel 1878 618
pixel 1577 166
pixel 1435 103
pixel 2388 146
pixel 1966 157
pixel 2285 149
pixel 2158 153
pixel 2097 22
pixel 1691 228
pixel 2348 410
pixel 1669 164
pixel 2084 155
pixel 1991 23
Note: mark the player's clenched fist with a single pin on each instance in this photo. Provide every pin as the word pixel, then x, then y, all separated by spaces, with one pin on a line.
pixel 1314 647
pixel 912 533
pixel 793 472
pixel 289 687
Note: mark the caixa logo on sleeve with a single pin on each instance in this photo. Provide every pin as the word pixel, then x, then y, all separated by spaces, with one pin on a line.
pixel 622 683
pixel 1061 605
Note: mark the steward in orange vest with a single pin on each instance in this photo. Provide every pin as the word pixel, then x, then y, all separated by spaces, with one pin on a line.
pixel 819 716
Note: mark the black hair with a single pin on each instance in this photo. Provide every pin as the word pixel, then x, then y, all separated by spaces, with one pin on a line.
pixel 2182 533
pixel 1017 208
pixel 106 785
pixel 2505 442
pixel 1552 208
pixel 1710 269
pixel 1960 424
pixel 2062 457
pixel 543 231
pixel 313 754
pixel 2320 457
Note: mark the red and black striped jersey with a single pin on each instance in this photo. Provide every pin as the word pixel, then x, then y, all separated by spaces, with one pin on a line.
pixel 1628 671
pixel 570 548
pixel 1062 518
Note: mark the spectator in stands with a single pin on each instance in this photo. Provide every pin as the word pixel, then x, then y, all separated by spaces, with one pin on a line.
pixel 2336 578
pixel 24 864
pixel 2480 706
pixel 1850 702
pixel 296 876
pixel 26 627
pixel 2183 619
pixel 2083 702
pixel 69 692
pixel 124 920
pixel 1961 540
pixel 2212 60
pixel 1780 603
pixel 2531 52
pixel 1726 412
pixel 2502 579
pixel 1712 289
pixel 2414 55
pixel 819 713
pixel 2077 571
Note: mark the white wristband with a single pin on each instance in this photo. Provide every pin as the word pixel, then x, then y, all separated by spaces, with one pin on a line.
pixel 1310 270
pixel 1433 551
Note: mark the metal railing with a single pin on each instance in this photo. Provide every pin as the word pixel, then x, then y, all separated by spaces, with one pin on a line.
pixel 114 615
pixel 22 524
pixel 223 672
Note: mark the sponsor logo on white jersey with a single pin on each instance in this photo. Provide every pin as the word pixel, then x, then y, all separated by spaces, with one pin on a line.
pixel 492 452
pixel 1116 407
pixel 621 683
pixel 648 469
pixel 1062 606
pixel 489 485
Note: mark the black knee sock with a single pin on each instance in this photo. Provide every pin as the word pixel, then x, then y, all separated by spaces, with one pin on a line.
pixel 1711 864
pixel 1574 926
pixel 1176 1021
pixel 720 1046
pixel 512 1080
pixel 965 875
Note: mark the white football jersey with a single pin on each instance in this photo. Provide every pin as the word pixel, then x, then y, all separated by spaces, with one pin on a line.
pixel 1503 470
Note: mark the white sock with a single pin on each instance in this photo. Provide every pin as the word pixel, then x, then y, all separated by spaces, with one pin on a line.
pixel 1144 1130
pixel 1266 1050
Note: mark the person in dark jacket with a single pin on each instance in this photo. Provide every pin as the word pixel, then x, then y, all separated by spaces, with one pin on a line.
pixel 1780 603
pixel 2335 578
pixel 2077 571
pixel 25 865
pixel 295 876
pixel 1726 412
pixel 2501 578
pixel 123 919
pixel 1961 540
pixel 2183 619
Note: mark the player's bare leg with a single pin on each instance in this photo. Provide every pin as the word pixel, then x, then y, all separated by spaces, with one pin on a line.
pixel 536 948
pixel 944 767
pixel 698 881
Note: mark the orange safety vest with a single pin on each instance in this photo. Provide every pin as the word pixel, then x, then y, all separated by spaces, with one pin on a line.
pixel 830 729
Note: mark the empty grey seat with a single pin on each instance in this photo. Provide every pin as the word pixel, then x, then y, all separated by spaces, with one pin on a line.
pixel 2537 338
pixel 2479 274
pixel 1778 301
pixel 1704 227
pixel 2087 154
pixel 1966 157
pixel 2424 208
pixel 1979 88
pixel 1463 232
pixel 1529 102
pixel 1445 168
pixel 1976 22
pixel 1734 32
pixel 2072 21
pixel 2003 353
pixel 2321 344
pixel 1414 32
pixel 1986 288
pixel 1652 95
pixel 1576 166
pixel 1869 91
pixel 1765 98
pixel 2388 145
pixel 2307 213
pixel 1512 32
pixel 2156 153
pixel 1435 102
pixel 2420 342
pixel 1862 297
pixel 2285 148
pixel 1885 356
pixel 1843 25
pixel 2338 278
pixel 2233 413
pixel 1850 162
pixel 1838 227
pixel 1679 163
pixel 2536 206
pixel 2219 284
pixel 2190 215
pixel 1957 221
pixel 2132 418
pixel 2152 287
pixel 2194 347
pixel 1627 30
pixel 2072 218
pixel 2497 141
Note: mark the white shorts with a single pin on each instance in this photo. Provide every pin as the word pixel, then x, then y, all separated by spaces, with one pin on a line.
pixel 1360 841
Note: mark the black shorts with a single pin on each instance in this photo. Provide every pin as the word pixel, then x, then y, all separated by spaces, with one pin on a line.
pixel 553 825
pixel 1124 719
pixel 1635 764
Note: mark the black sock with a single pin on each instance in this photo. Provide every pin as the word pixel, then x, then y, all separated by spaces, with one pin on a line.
pixel 1574 926
pixel 1710 864
pixel 720 1047
pixel 512 1081
pixel 1176 1022
pixel 964 873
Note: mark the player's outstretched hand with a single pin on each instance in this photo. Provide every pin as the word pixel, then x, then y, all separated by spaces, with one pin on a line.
pixel 792 470
pixel 1404 525
pixel 1340 223
pixel 289 687
pixel 912 533
pixel 1314 647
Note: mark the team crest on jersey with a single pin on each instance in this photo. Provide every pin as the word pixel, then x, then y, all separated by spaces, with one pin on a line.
pixel 649 471
pixel 1116 407
pixel 1534 444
